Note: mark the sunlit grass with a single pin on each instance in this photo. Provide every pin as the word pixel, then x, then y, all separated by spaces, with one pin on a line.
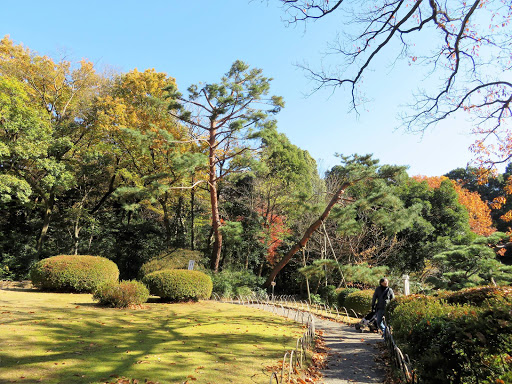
pixel 66 338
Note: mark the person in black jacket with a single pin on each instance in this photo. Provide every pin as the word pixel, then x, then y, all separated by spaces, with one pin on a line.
pixel 382 296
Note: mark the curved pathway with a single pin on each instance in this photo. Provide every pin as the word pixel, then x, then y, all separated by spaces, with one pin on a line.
pixel 351 356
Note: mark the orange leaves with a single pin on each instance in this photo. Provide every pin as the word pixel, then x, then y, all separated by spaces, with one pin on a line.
pixel 498 202
pixel 433 182
pixel 480 220
pixel 508 187
pixel 507 216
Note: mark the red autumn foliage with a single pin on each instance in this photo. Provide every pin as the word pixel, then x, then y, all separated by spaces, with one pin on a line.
pixel 273 232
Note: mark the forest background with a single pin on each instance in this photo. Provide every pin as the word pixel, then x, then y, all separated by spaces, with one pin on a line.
pixel 121 165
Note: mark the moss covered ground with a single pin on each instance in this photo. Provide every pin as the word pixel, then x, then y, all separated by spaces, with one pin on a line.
pixel 67 338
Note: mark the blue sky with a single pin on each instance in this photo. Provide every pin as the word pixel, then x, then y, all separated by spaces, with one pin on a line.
pixel 197 42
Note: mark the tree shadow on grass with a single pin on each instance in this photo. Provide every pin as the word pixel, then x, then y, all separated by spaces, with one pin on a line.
pixel 83 345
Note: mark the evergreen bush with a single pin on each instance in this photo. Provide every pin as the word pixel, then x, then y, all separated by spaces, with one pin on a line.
pixel 121 294
pixel 73 273
pixel 179 284
pixel 227 283
pixel 359 301
pixel 342 295
pixel 315 298
pixel 328 294
pixel 243 291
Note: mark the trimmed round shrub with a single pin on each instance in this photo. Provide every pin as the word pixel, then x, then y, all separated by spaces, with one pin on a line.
pixel 121 294
pixel 343 293
pixel 73 273
pixel 360 301
pixel 175 259
pixel 179 284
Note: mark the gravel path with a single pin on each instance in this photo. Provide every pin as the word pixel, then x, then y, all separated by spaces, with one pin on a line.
pixel 351 357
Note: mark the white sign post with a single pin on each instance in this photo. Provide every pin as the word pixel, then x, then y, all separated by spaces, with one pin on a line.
pixel 406 284
pixel 191 265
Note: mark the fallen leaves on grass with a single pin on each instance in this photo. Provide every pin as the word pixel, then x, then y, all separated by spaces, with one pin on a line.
pixel 124 380
pixel 312 373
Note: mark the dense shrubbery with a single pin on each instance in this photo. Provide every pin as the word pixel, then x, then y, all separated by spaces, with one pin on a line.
pixel 179 284
pixel 72 273
pixel 175 259
pixel 235 283
pixel 400 300
pixel 328 294
pixel 453 340
pixel 343 293
pixel 359 301
pixel 121 294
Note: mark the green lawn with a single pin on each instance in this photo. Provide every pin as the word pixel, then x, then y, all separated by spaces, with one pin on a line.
pixel 67 338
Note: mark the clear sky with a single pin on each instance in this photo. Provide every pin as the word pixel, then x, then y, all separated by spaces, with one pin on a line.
pixel 196 41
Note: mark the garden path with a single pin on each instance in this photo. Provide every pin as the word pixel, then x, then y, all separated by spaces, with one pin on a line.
pixel 351 358
pixel 352 355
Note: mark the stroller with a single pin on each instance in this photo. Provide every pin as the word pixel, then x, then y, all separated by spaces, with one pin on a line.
pixel 368 323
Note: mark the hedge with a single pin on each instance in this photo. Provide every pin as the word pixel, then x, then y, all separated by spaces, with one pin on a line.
pixel 343 293
pixel 360 301
pixel 122 294
pixel 460 342
pixel 179 284
pixel 73 273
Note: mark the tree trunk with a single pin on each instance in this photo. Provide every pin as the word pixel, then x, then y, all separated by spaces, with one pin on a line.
pixel 307 280
pixel 217 235
pixel 192 217
pixel 167 221
pixel 342 281
pixel 217 244
pixel 110 191
pixel 46 222
pixel 307 235
pixel 180 230
pixel 76 236
pixel 90 238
